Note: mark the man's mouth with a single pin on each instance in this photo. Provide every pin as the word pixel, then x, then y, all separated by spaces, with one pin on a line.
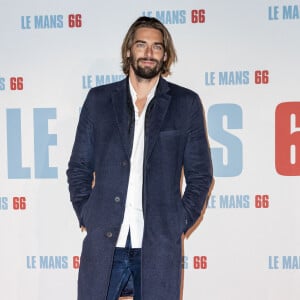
pixel 148 62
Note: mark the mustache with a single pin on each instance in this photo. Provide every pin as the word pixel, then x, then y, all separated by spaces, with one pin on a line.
pixel 147 59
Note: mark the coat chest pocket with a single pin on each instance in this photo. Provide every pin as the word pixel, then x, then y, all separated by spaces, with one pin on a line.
pixel 171 137
pixel 170 133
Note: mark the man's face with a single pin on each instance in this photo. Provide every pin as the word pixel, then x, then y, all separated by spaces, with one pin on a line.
pixel 147 53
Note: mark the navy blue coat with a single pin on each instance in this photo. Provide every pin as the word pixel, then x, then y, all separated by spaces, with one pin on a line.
pixel 175 138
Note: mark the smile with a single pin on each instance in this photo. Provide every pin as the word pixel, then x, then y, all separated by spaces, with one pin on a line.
pixel 148 61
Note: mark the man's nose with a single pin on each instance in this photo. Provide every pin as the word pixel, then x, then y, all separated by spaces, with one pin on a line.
pixel 149 51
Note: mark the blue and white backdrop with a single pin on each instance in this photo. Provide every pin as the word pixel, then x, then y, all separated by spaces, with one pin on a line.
pixel 242 57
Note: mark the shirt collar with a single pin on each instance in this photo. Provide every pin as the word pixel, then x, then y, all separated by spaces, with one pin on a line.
pixel 149 97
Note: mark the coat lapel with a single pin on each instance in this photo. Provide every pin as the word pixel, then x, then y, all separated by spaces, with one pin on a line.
pixel 122 108
pixel 155 116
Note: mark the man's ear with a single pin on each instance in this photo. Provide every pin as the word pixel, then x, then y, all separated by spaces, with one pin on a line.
pixel 165 56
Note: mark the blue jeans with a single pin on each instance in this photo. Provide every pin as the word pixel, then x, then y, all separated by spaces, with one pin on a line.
pixel 126 264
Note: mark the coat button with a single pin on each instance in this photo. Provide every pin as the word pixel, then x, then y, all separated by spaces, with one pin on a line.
pixel 109 234
pixel 117 199
pixel 124 163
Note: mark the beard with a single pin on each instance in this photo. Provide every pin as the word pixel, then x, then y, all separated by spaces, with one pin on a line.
pixel 146 72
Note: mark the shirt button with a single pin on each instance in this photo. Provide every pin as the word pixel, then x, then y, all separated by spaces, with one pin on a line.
pixel 109 234
pixel 117 199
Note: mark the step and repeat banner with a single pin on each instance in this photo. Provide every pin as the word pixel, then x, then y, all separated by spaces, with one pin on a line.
pixel 242 57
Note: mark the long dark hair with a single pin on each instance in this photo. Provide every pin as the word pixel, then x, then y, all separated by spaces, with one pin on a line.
pixel 167 43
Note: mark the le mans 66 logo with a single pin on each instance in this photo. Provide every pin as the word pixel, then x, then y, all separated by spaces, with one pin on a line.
pixel 287 138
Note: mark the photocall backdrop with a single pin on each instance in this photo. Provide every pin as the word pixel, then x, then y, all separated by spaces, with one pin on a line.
pixel 242 57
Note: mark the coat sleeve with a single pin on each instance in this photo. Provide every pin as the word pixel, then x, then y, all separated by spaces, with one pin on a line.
pixel 81 164
pixel 197 165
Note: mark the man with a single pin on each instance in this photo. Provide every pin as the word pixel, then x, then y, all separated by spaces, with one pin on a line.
pixel 132 141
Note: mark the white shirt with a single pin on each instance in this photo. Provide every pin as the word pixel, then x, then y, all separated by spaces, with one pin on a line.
pixel 133 216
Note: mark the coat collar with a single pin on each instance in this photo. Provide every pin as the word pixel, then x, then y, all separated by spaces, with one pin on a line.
pixel 155 114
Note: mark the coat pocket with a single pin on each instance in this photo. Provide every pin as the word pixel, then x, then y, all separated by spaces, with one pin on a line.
pixel 170 133
pixel 85 211
pixel 183 218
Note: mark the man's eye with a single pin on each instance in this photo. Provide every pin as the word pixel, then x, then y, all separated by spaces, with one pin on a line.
pixel 140 45
pixel 157 47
